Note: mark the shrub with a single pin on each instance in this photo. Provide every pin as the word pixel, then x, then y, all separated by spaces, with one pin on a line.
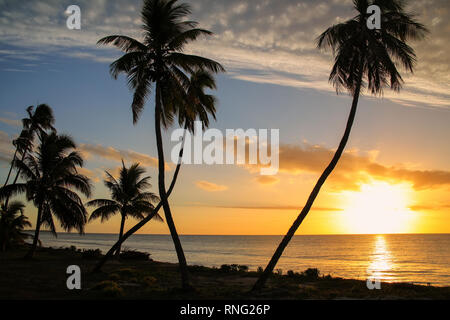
pixel 126 272
pixel 134 255
pixel 150 281
pixel 260 270
pixel 225 268
pixel 109 288
pixel 114 276
pixel 233 268
pixel 91 253
pixel 311 273
pixel 242 268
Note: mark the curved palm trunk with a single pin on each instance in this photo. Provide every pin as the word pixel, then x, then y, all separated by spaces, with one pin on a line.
pixel 30 253
pixel 141 223
pixel 162 193
pixel 15 179
pixel 122 225
pixel 283 244
pixel 10 168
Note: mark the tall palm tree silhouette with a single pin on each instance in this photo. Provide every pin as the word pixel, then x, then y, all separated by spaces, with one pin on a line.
pixel 128 197
pixel 38 122
pixel 363 57
pixel 51 183
pixel 160 60
pixel 195 104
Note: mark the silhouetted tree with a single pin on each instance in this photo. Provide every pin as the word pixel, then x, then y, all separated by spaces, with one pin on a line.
pixel 38 122
pixel 363 57
pixel 128 197
pixel 197 104
pixel 51 183
pixel 159 60
pixel 12 224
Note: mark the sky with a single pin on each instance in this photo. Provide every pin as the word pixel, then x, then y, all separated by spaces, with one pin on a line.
pixel 393 178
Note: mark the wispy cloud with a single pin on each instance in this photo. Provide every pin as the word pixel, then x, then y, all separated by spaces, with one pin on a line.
pixel 267 180
pixel 111 153
pixel 6 149
pixel 272 207
pixel 259 41
pixel 210 186
pixel 354 169
pixel 11 122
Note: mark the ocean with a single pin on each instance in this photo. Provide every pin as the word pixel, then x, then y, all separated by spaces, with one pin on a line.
pixel 414 258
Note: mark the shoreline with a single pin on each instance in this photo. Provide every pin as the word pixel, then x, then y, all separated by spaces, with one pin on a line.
pixel 45 278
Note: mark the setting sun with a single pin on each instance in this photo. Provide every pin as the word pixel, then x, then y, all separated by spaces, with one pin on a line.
pixel 378 208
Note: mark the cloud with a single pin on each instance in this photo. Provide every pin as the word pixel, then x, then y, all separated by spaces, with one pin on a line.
pixel 269 41
pixel 6 148
pixel 353 169
pixel 277 207
pixel 111 153
pixel 267 180
pixel 11 122
pixel 209 186
pixel 425 207
pixel 90 174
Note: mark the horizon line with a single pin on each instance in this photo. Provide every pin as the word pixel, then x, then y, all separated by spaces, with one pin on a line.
pixel 257 235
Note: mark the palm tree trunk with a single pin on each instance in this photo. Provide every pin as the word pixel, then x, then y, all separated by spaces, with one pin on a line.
pixel 162 192
pixel 15 179
pixel 122 224
pixel 141 223
pixel 30 253
pixel 10 168
pixel 283 244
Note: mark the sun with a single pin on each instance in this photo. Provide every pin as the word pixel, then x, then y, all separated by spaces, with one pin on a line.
pixel 378 208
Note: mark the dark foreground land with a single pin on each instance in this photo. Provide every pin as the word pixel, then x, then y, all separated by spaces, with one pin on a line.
pixel 45 277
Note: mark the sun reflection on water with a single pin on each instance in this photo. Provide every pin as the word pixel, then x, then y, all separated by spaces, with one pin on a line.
pixel 381 260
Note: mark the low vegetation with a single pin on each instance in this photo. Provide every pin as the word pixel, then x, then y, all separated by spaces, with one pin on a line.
pixel 45 278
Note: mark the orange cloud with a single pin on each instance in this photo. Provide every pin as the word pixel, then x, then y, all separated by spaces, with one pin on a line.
pixel 209 186
pixel 114 154
pixel 11 122
pixel 267 180
pixel 354 169
pixel 278 207
pixel 425 207
pixel 89 173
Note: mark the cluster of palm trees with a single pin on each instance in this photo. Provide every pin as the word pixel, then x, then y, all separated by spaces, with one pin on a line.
pixel 364 58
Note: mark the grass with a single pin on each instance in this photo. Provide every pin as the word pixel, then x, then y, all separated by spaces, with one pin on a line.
pixel 45 277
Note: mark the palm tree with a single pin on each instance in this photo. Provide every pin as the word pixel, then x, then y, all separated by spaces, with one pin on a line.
pixel 159 60
pixel 128 197
pixel 37 123
pixel 51 183
pixel 363 57
pixel 196 104
pixel 12 224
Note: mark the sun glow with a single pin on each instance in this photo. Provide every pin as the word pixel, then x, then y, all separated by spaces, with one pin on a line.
pixel 378 208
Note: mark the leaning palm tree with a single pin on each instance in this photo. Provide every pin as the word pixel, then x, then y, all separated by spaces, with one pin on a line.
pixel 12 225
pixel 128 197
pixel 159 60
pixel 51 183
pixel 196 104
pixel 363 57
pixel 38 122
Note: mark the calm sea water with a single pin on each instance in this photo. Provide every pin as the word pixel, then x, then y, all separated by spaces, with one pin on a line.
pixel 393 258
